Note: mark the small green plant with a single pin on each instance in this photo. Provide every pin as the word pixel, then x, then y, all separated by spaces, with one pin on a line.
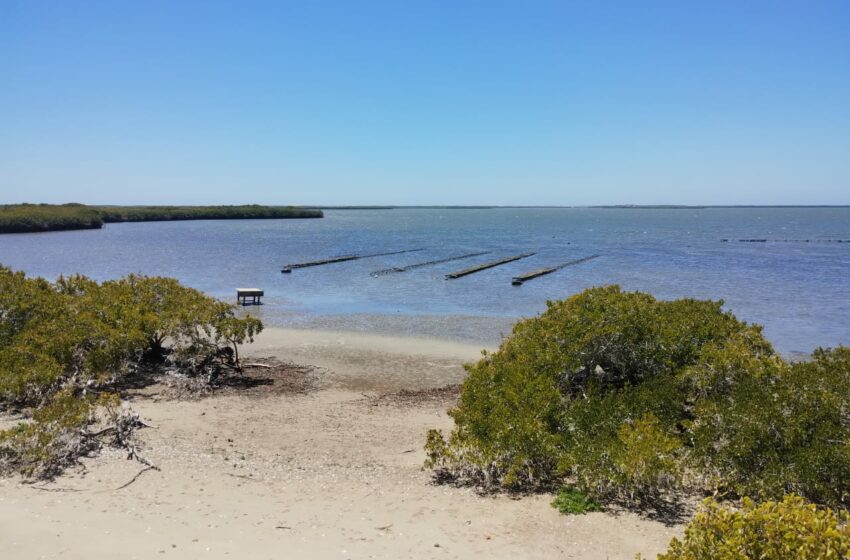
pixel 781 530
pixel 571 501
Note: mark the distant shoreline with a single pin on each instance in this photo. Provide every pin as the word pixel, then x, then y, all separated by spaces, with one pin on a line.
pixel 611 206
pixel 36 218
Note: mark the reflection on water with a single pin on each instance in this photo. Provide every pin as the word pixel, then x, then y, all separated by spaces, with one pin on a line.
pixel 799 290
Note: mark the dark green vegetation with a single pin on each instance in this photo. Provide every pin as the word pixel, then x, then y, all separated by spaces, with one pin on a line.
pixel 638 401
pixel 24 218
pixel 165 213
pixel 770 531
pixel 570 501
pixel 67 348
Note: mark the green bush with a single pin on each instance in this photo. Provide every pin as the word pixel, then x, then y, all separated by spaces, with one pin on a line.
pixel 770 531
pixel 62 342
pixel 587 389
pixel 570 501
pixel 778 429
pixel 82 333
pixel 55 437
pixel 635 400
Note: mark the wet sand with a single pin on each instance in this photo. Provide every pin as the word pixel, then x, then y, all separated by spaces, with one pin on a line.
pixel 323 462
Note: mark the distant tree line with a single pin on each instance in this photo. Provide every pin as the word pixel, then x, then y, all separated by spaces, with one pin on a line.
pixel 29 218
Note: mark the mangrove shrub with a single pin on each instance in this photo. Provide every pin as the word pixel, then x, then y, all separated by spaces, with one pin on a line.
pixel 774 530
pixel 630 398
pixel 63 343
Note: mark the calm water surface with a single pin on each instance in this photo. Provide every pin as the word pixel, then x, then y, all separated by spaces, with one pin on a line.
pixel 800 291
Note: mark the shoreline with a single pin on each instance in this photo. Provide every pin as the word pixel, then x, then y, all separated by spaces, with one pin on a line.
pixel 330 471
pixel 362 361
pixel 486 331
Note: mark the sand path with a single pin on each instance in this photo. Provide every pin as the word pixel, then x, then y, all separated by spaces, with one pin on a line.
pixel 332 472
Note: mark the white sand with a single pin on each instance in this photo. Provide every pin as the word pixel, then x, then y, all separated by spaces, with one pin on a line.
pixel 332 473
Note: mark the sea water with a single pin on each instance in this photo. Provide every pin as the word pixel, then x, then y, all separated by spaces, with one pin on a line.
pixel 796 283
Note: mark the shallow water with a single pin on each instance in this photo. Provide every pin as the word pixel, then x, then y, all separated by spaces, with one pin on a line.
pixel 800 291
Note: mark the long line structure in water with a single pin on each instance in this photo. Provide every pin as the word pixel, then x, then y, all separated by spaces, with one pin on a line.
pixel 522 278
pixel 485 266
pixel 426 263
pixel 342 258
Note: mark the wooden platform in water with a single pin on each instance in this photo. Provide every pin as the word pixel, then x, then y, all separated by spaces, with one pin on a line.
pixel 290 267
pixel 244 294
pixel 485 266
pixel 522 278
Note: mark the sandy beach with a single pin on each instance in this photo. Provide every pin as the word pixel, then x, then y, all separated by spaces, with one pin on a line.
pixel 322 460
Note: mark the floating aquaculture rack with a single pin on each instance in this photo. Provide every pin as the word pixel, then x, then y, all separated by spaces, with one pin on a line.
pixel 426 263
pixel 485 266
pixel 789 240
pixel 519 280
pixel 290 267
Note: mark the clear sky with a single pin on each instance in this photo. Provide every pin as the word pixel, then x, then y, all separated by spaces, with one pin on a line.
pixel 425 102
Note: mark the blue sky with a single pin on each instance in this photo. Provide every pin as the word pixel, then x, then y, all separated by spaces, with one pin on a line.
pixel 525 102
